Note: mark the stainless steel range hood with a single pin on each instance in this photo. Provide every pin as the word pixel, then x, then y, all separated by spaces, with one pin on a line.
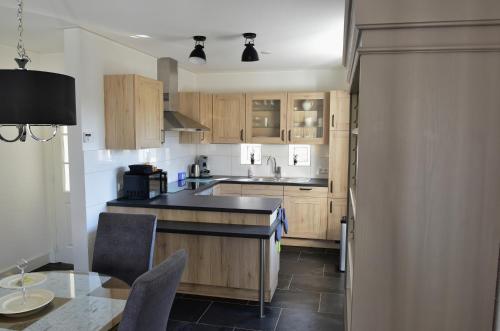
pixel 174 121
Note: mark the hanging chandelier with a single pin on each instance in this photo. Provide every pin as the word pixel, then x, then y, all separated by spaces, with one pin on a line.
pixel 30 98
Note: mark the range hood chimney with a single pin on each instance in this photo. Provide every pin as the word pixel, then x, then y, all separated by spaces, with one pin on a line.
pixel 174 121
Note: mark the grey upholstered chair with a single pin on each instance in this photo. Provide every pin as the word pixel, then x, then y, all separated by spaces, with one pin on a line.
pixel 124 245
pixel 150 300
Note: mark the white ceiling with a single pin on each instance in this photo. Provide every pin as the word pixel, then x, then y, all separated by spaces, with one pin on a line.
pixel 299 33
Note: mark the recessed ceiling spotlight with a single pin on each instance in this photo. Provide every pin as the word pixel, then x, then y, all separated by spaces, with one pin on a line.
pixel 140 36
pixel 250 53
pixel 198 56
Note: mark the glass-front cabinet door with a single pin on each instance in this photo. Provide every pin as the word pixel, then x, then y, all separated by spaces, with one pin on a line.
pixel 266 118
pixel 308 118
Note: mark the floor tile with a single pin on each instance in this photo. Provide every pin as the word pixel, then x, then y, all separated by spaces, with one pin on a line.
pixel 298 300
pixel 312 283
pixel 332 303
pixel 216 299
pixel 301 268
pixel 240 316
pixel 188 310
pixel 293 320
pixel 55 267
pixel 284 281
pixel 289 255
pixel 291 249
pixel 188 326
pixel 329 259
pixel 333 271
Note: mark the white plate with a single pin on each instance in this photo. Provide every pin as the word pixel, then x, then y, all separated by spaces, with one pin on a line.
pixel 30 279
pixel 13 305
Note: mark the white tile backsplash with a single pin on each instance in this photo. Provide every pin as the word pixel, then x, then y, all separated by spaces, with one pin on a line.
pixel 225 160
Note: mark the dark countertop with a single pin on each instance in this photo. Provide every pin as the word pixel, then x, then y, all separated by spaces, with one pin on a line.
pixel 219 230
pixel 193 198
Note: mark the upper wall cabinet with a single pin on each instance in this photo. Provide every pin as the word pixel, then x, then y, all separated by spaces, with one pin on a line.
pixel 197 106
pixel 133 112
pixel 307 118
pixel 228 118
pixel 266 118
pixel 339 110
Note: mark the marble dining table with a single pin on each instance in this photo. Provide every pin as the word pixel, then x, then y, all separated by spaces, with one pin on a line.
pixel 83 301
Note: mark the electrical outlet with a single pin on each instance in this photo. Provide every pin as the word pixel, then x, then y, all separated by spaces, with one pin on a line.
pixel 88 137
pixel 323 171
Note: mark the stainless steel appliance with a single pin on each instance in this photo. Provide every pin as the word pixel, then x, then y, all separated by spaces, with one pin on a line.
pixel 141 184
pixel 203 163
pixel 194 170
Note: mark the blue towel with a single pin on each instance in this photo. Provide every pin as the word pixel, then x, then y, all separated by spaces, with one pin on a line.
pixel 283 224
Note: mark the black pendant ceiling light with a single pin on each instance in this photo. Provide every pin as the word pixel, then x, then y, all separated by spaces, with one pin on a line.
pixel 250 53
pixel 198 56
pixel 30 98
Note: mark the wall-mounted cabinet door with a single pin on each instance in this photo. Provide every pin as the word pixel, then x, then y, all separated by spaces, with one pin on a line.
pixel 228 118
pixel 133 107
pixel 307 118
pixel 197 106
pixel 307 217
pixel 338 164
pixel 337 208
pixel 339 110
pixel 266 118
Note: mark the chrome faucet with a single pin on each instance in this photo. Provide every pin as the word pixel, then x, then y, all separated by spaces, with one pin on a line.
pixel 275 170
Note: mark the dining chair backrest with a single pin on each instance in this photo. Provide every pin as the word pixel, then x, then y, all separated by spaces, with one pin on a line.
pixel 152 294
pixel 124 245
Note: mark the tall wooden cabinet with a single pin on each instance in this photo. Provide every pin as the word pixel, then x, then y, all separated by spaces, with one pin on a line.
pixel 133 107
pixel 197 106
pixel 228 118
pixel 338 161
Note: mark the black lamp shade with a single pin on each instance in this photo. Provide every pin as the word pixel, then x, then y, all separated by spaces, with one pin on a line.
pixel 198 56
pixel 249 54
pixel 36 97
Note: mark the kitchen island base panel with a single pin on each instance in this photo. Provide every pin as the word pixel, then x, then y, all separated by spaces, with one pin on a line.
pixel 222 266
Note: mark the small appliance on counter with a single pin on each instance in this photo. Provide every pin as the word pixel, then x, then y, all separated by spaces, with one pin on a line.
pixel 202 162
pixel 194 170
pixel 144 182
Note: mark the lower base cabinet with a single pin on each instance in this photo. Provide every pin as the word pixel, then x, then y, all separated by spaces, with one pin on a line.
pixel 307 217
pixel 337 208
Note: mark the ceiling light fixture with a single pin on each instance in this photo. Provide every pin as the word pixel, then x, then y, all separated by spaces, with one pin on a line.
pixel 250 53
pixel 140 36
pixel 32 98
pixel 198 56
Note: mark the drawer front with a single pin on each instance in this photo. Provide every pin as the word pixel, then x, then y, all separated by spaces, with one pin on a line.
pixel 306 191
pixel 262 190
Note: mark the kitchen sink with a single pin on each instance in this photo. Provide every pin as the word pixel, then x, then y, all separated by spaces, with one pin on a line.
pixel 278 180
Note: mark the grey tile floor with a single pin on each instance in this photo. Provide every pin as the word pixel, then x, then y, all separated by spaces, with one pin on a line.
pixel 310 296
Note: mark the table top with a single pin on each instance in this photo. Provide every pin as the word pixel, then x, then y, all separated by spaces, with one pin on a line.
pixel 83 301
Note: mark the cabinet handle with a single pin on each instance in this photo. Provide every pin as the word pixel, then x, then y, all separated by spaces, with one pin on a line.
pixel 305 188
pixel 289 135
pixel 331 186
pixel 331 207
pixel 333 120
pixel 241 134
pixel 283 135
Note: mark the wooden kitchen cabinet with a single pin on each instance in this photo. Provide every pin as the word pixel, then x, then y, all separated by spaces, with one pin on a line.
pixel 339 110
pixel 307 217
pixel 227 190
pixel 307 118
pixel 133 107
pixel 228 118
pixel 197 106
pixel 338 164
pixel 265 191
pixel 337 208
pixel 266 118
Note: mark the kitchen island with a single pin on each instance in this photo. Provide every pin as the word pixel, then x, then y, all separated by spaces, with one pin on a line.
pixel 218 265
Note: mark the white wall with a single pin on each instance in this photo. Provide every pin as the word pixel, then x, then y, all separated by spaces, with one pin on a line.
pixel 26 182
pixel 298 80
pixel 96 172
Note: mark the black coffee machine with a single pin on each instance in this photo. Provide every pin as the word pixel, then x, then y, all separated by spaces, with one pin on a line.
pixel 202 162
